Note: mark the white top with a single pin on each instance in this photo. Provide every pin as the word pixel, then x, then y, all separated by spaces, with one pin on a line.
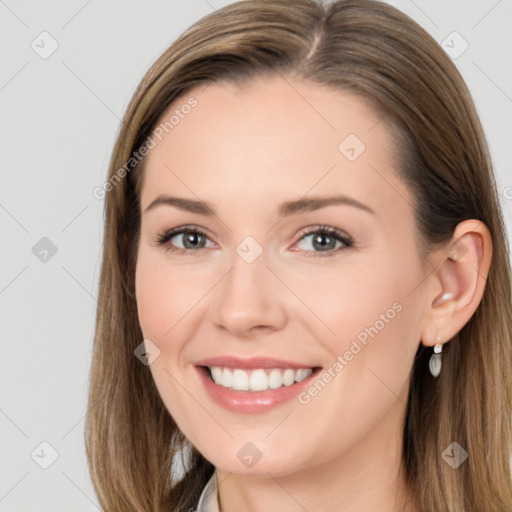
pixel 208 501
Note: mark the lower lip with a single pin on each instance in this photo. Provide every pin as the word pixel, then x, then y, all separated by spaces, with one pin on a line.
pixel 252 402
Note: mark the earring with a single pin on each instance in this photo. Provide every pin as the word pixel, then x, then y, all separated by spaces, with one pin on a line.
pixel 435 359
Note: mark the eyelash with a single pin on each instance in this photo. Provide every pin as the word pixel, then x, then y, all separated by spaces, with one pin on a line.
pixel 346 240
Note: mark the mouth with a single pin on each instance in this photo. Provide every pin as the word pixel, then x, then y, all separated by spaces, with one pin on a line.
pixel 254 385
pixel 254 380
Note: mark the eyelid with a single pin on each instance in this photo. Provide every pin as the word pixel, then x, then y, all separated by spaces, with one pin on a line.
pixel 169 233
pixel 323 228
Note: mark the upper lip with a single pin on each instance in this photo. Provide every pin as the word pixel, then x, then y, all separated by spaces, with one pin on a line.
pixel 251 363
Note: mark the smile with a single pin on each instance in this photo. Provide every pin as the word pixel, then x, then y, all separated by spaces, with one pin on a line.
pixel 257 379
pixel 254 391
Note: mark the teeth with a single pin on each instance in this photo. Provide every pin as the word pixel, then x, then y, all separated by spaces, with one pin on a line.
pixel 240 380
pixel 227 377
pixel 257 380
pixel 289 377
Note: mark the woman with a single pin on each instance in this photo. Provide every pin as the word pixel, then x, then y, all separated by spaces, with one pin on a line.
pixel 305 287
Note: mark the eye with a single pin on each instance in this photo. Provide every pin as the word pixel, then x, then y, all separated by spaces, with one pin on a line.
pixel 324 239
pixel 186 238
pixel 321 241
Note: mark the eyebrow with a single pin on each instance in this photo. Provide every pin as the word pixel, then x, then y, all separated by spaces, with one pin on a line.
pixel 307 204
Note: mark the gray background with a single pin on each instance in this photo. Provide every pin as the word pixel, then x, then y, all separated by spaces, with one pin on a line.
pixel 59 117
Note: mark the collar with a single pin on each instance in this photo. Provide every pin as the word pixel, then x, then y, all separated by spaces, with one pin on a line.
pixel 208 501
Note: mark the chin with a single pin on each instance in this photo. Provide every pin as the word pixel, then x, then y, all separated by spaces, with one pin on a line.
pixel 249 460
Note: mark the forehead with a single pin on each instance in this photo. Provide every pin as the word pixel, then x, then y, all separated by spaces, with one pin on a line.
pixel 266 138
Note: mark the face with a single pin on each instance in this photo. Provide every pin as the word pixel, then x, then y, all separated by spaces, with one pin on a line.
pixel 272 269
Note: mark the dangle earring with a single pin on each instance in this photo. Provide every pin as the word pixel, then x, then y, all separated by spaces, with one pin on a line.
pixel 435 359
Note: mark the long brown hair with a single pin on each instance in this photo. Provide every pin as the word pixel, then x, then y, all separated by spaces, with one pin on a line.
pixel 375 51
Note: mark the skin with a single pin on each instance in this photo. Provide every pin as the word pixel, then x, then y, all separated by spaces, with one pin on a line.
pixel 245 151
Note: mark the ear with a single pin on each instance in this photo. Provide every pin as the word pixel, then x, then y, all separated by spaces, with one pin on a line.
pixel 458 282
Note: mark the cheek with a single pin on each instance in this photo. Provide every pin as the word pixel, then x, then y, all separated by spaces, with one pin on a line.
pixel 347 301
pixel 154 300
pixel 162 302
pixel 371 351
pixel 163 296
pixel 368 316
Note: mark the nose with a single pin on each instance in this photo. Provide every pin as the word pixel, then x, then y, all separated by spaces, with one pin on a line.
pixel 250 299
